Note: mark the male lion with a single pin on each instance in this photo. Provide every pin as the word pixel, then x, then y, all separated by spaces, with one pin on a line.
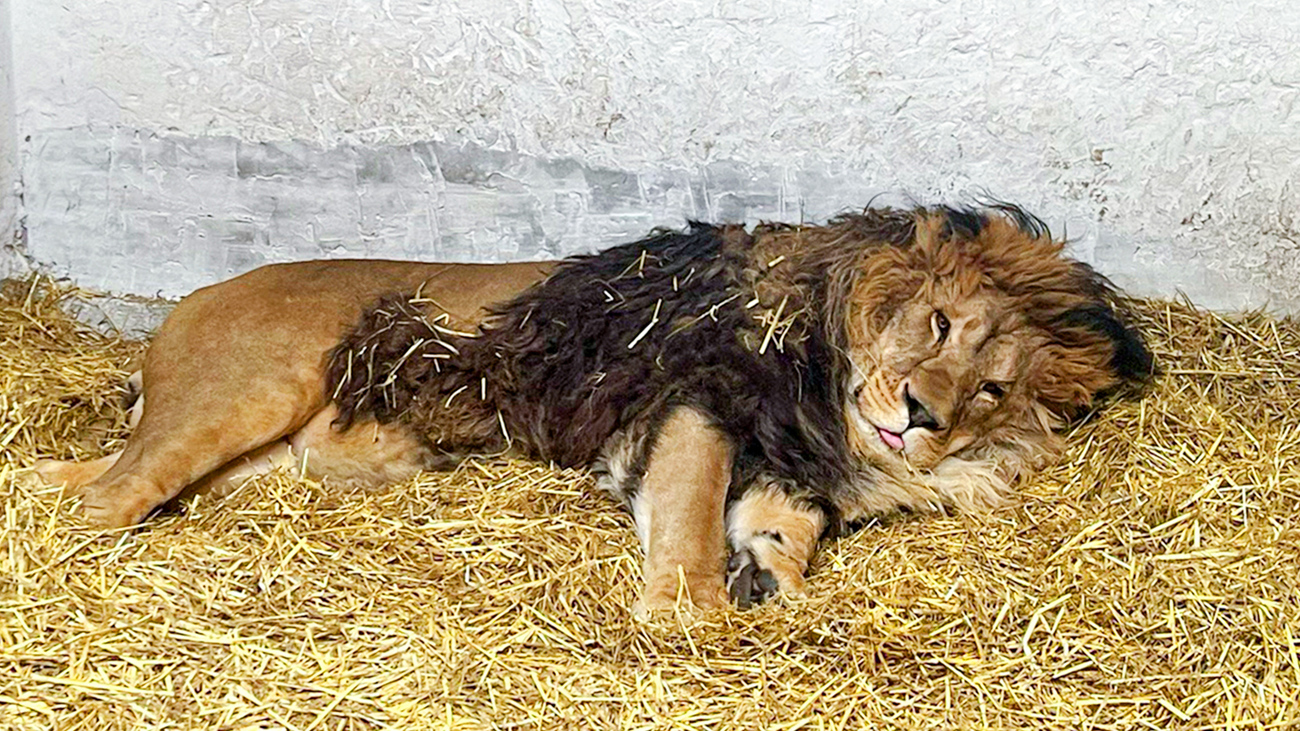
pixel 743 392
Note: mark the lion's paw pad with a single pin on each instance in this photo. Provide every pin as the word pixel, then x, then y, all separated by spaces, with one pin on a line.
pixel 748 582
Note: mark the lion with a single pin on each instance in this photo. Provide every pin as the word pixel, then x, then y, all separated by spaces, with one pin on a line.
pixel 743 392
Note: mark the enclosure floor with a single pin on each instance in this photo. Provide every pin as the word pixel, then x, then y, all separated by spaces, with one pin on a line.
pixel 1150 580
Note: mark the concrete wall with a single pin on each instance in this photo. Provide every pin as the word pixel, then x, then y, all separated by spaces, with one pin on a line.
pixel 11 259
pixel 167 145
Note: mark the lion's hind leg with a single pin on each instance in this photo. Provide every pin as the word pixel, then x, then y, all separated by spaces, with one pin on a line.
pixel 72 474
pixel 75 474
pixel 196 438
pixel 772 536
pixel 366 453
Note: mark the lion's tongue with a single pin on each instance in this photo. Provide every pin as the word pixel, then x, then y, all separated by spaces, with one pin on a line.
pixel 895 441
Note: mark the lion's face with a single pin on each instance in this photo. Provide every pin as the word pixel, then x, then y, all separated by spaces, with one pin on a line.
pixel 975 340
pixel 944 372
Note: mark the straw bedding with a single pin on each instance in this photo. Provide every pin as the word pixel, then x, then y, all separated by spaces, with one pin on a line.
pixel 1150 580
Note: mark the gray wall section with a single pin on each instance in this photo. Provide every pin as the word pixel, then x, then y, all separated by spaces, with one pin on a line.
pixel 12 260
pixel 125 210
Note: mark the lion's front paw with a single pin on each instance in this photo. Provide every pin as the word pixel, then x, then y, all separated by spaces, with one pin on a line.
pixel 684 594
pixel 760 570
pixel 747 582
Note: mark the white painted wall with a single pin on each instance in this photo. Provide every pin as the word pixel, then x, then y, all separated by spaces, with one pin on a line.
pixel 11 260
pixel 167 145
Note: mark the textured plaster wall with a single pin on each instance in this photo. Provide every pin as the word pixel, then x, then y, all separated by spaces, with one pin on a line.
pixel 167 145
pixel 10 255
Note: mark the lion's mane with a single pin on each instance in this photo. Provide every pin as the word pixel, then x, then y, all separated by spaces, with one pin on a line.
pixel 752 328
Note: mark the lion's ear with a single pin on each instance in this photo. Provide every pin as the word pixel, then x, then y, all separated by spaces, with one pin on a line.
pixel 1108 315
pixel 1131 361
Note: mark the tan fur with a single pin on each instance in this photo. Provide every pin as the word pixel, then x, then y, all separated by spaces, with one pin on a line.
pixel 368 453
pixel 683 496
pixel 984 442
pixel 781 533
pixel 234 384
pixel 274 456
pixel 75 474
pixel 135 385
pixel 240 365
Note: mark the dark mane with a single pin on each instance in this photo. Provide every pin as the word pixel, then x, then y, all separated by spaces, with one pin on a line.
pixel 679 318
pixel 751 328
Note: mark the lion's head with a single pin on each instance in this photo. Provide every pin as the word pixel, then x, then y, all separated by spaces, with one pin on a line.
pixel 969 340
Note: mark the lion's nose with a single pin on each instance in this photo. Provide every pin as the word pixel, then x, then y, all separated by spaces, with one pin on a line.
pixel 917 413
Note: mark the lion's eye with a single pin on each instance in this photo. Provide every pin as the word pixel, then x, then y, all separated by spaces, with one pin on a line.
pixel 939 325
pixel 994 391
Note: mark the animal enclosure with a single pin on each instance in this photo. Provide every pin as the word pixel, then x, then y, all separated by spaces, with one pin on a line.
pixel 1150 579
